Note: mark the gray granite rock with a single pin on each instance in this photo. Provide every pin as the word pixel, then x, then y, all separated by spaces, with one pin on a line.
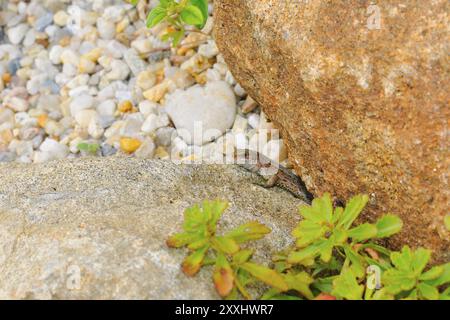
pixel 96 228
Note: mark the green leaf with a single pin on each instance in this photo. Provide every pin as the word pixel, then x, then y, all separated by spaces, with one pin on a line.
pixel 337 215
pixel 388 225
pixel 428 292
pixel 420 261
pixel 443 278
pixel 320 211
pixel 363 232
pixel 307 232
pixel 156 16
pixel 326 250
pixel 346 286
pixel 358 266
pixel 433 273
pixel 165 3
pixel 300 282
pixel 266 275
pixel 192 263
pixel 242 256
pixel 216 209
pixel 192 15
pixel 181 239
pixel 203 6
pixel 223 276
pixel 403 259
pixel 305 254
pixel 88 147
pixel 249 231
pixel 352 210
pixel 193 219
pixel 225 245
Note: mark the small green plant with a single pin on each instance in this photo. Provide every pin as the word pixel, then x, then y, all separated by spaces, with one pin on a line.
pixel 233 269
pixel 332 259
pixel 91 148
pixel 178 14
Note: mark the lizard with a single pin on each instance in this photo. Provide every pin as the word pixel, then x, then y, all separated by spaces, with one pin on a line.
pixel 274 173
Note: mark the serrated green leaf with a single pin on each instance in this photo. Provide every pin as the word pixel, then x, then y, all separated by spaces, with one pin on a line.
pixel 249 231
pixel 363 232
pixel 403 259
pixel 428 292
pixel 307 232
pixel 300 282
pixel 192 15
pixel 326 250
pixel 358 265
pixel 324 284
pixel 193 218
pixel 266 275
pixel 420 260
pixel 396 281
pixel 388 225
pixel 443 278
pixel 192 263
pixel 320 210
pixel 337 215
pixel 352 210
pixel 225 245
pixel 433 273
pixel 346 286
pixel 156 16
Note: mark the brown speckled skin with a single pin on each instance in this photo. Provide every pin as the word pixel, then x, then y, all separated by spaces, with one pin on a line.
pixel 362 111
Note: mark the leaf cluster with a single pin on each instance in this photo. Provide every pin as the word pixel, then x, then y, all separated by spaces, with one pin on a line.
pixel 178 14
pixel 332 259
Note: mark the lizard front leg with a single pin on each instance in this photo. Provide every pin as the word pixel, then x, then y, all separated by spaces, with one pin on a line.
pixel 272 181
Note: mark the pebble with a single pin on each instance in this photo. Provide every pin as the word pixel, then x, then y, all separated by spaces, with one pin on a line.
pixel 129 145
pixel 84 117
pixel 107 108
pixel 154 122
pixel 61 18
pixel 43 22
pixel 80 103
pixel 146 79
pixel 146 150
pixel 16 34
pixel 202 114
pixel 120 70
pixel 90 71
pixel 106 28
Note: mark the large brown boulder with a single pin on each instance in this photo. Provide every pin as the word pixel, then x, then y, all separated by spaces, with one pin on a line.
pixel 360 93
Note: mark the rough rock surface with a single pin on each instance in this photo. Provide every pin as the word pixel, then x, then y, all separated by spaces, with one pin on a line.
pixel 362 109
pixel 107 220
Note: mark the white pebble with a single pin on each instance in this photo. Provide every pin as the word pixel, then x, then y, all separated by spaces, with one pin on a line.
pixel 84 117
pixel 16 34
pixel 80 103
pixel 107 108
pixel 206 112
pixel 106 29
